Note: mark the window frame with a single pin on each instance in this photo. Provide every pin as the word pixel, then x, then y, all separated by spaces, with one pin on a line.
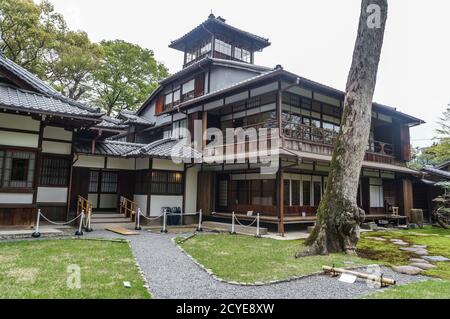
pixel 165 182
pixel 42 168
pixel 18 189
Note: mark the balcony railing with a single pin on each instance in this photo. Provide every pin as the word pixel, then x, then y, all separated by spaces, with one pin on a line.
pixel 327 138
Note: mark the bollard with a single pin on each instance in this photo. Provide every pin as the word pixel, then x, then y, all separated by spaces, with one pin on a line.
pixel 36 233
pixel 258 233
pixel 233 231
pixel 200 217
pixel 88 226
pixel 138 220
pixel 79 232
pixel 164 229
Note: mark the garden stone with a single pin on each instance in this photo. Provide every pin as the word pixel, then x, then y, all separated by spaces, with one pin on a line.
pixel 407 270
pixel 418 260
pixel 420 246
pixel 400 243
pixel 376 238
pixel 417 251
pixel 424 266
pixel 436 258
pixel 413 226
pixel 369 226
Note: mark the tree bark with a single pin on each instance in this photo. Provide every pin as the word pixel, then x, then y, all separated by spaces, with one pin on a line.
pixel 339 217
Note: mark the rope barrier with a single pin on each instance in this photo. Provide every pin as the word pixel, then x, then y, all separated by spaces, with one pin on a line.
pixel 60 224
pixel 233 226
pixel 79 232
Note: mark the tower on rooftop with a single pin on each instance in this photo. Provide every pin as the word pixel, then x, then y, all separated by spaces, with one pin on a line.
pixel 215 38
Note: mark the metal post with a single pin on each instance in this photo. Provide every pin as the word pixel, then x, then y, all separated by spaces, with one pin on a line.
pixel 88 226
pixel 79 232
pixel 138 220
pixel 164 229
pixel 36 233
pixel 258 233
pixel 233 231
pixel 200 220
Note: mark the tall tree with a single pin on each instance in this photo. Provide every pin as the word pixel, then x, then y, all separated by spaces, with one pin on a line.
pixel 27 31
pixel 339 217
pixel 127 75
pixel 440 151
pixel 71 64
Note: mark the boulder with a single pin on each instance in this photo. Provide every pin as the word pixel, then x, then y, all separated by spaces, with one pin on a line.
pixel 407 270
pixel 424 266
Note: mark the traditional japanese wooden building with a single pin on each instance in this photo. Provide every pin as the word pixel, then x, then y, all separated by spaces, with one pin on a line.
pixel 102 158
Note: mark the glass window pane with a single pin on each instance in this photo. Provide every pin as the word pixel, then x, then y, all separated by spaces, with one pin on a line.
pixel 306 193
pixel 317 193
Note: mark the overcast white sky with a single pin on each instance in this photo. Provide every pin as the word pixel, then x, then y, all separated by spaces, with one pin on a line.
pixel 313 39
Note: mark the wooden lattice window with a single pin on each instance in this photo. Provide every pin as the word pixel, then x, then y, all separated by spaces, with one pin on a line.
pixel 16 169
pixel 167 183
pixel 109 182
pixel 55 171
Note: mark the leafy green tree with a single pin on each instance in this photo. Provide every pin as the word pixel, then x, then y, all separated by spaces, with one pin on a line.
pixel 440 151
pixel 71 64
pixel 127 75
pixel 27 30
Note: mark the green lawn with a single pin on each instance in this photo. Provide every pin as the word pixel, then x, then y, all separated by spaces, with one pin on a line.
pixel 247 259
pixel 438 242
pixel 38 269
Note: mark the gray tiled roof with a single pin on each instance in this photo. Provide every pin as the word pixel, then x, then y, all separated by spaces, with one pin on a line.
pixel 164 149
pixel 131 117
pixel 111 123
pixel 437 172
pixel 260 42
pixel 106 148
pixel 66 104
pixel 15 98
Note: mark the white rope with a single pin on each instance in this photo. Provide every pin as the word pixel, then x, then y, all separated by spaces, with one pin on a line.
pixel 152 218
pixel 60 224
pixel 245 225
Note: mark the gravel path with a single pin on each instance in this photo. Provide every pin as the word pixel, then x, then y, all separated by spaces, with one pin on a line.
pixel 171 274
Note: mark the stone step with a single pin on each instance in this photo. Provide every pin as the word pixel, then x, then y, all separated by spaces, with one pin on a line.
pixel 102 226
pixel 110 220
pixel 110 215
pixel 225 227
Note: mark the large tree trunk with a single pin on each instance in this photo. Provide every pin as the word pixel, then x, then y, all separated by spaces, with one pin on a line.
pixel 339 217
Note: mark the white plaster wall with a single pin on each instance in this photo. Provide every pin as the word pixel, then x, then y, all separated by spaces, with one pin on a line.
pixel 264 89
pixel 56 148
pixel 19 122
pixel 58 133
pixel 142 163
pixel 121 163
pixel 167 165
pixel 141 201
pixel 19 139
pixel 52 195
pixel 158 201
pixel 12 198
pixel 90 161
pixel 191 189
pixel 108 201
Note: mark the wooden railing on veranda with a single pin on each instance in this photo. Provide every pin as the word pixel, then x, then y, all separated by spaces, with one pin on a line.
pixel 127 208
pixel 83 205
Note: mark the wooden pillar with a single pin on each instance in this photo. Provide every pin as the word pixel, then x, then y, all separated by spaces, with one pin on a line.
pixel 407 197
pixel 280 200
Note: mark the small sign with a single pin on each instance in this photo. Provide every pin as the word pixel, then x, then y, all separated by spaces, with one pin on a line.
pixel 347 278
pixel 127 284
